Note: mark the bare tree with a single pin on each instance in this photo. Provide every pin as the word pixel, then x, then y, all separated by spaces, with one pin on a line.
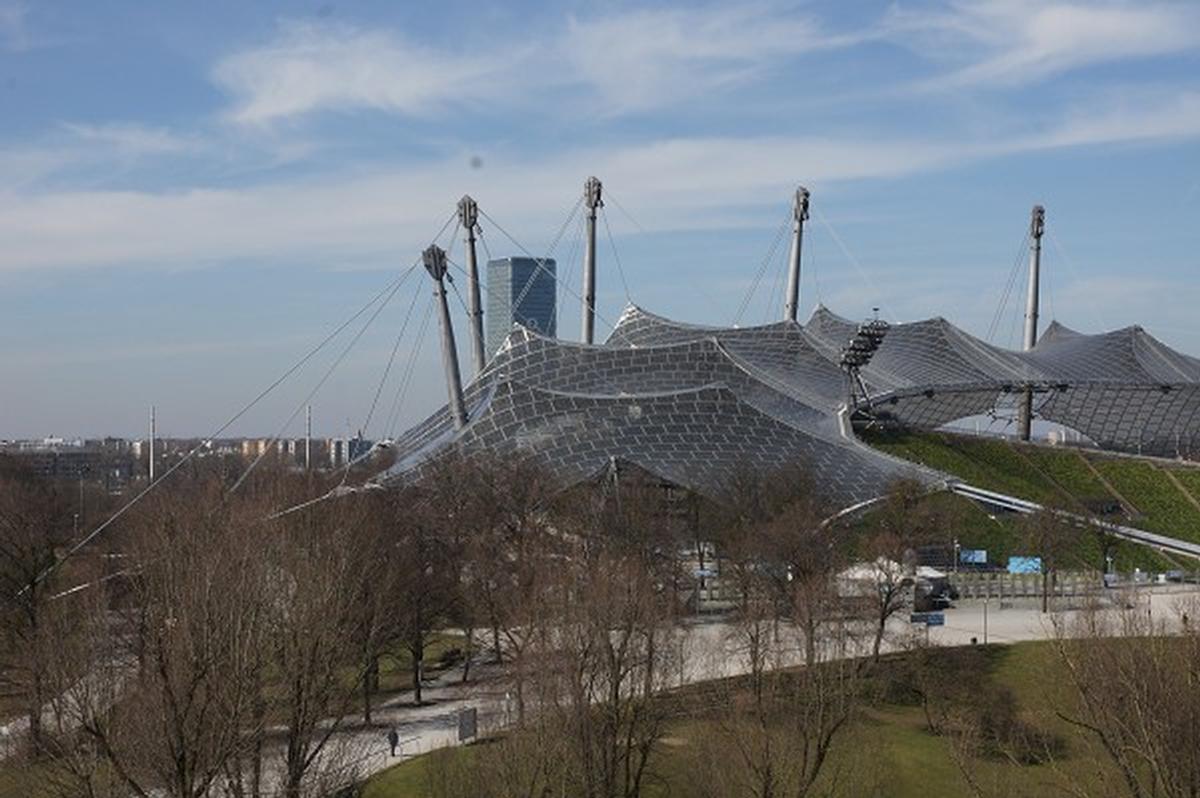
pixel 427 570
pixel 1136 687
pixel 376 627
pixel 596 615
pixel 781 724
pixel 1056 541
pixel 197 601
pixel 32 527
pixel 774 733
pixel 905 522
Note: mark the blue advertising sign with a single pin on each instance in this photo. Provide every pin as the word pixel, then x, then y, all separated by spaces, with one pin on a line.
pixel 928 618
pixel 1024 565
pixel 973 556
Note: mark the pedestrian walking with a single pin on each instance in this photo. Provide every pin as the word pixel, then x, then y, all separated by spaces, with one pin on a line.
pixel 393 739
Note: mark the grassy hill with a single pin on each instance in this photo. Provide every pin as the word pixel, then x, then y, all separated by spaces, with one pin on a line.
pixel 1149 494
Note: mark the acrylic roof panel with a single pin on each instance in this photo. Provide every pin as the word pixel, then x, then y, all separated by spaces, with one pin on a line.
pixel 689 402
pixel 693 437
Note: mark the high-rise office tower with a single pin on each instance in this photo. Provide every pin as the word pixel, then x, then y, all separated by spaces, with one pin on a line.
pixel 520 290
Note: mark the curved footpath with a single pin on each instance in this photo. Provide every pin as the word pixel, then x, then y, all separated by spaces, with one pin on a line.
pixel 707 651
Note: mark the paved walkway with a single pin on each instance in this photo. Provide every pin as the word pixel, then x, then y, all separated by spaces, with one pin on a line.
pixel 708 650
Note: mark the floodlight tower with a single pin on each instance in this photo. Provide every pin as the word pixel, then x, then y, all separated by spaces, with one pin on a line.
pixel 468 216
pixel 592 202
pixel 799 216
pixel 1037 226
pixel 857 354
pixel 435 263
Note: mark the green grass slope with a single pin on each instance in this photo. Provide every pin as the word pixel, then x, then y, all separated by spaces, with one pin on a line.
pixel 1162 506
pixel 1065 478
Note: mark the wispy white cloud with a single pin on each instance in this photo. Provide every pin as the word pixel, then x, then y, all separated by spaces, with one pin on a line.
pixel 1147 117
pixel 685 182
pixel 1013 42
pixel 621 61
pixel 379 218
pixel 646 58
pixel 131 140
pixel 309 67
pixel 14 36
pixel 73 146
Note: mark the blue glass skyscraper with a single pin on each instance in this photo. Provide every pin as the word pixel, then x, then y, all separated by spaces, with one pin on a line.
pixel 520 290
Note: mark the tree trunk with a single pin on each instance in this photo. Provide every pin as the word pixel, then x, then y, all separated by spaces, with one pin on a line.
pixel 370 684
pixel 418 658
pixel 36 743
pixel 468 652
pixel 35 717
pixel 497 650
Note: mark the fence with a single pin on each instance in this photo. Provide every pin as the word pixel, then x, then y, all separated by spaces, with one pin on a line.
pixel 1000 585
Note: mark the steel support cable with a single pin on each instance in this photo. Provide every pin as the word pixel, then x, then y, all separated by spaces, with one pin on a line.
pixel 1097 318
pixel 998 316
pixel 522 247
pixel 540 262
pixel 454 288
pixel 187 457
pixel 371 413
pixel 862 274
pixel 392 358
pixel 815 267
pixel 320 384
pixel 1002 303
pixel 482 240
pixel 252 466
pixel 1049 281
pixel 215 434
pixel 608 195
pixel 576 242
pixel 345 467
pixel 406 377
pixel 762 268
pixel 776 291
pixel 1015 329
pixel 616 256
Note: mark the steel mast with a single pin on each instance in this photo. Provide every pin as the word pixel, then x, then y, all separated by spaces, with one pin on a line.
pixel 799 215
pixel 468 216
pixel 308 438
pixel 153 433
pixel 435 263
pixel 591 201
pixel 1037 226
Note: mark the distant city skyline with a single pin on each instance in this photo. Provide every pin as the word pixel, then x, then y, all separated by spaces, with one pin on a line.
pixel 191 197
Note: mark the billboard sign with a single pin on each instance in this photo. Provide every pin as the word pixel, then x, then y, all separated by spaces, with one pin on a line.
pixel 973 556
pixel 1024 565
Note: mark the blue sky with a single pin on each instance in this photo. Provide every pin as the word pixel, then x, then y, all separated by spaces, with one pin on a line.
pixel 192 195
